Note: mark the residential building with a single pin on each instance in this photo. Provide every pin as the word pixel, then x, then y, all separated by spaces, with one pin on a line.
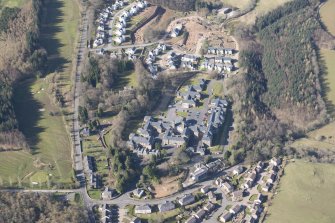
pixel 107 194
pixel 236 209
pixel 199 174
pixel 135 220
pixel 238 170
pixel 237 195
pixel 143 209
pixel 200 214
pixel 186 199
pixel 209 207
pixel 191 219
pixel 167 206
pixel 138 192
pixel 227 187
pixel 205 189
pixel 226 216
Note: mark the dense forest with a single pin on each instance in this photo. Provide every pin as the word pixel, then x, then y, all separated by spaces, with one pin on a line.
pixel 33 207
pixel 279 97
pixel 21 56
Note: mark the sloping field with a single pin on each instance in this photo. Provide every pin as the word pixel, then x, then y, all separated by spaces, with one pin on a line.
pixel 327 13
pixel 262 7
pixel 306 194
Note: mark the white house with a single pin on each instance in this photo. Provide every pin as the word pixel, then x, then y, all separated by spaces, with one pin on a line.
pixel 143 209
pixel 119 39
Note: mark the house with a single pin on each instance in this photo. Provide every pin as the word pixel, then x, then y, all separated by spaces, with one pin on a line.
pixel 211 50
pixel 266 187
pixel 134 10
pixel 199 174
pixel 251 177
pixel 138 193
pixel 135 220
pixel 260 165
pixel 120 32
pixel 229 68
pixel 227 60
pixel 255 208
pixel 259 199
pixel 89 163
pixel 107 194
pixel 167 206
pixel 227 187
pixel 94 181
pixel 143 209
pixel 205 189
pixel 119 39
pixel 209 207
pixel 106 214
pixel 200 214
pixel 189 58
pixel 188 103
pixel 176 31
pixel 236 209
pixel 120 24
pixel 218 59
pixel 238 170
pixel 275 161
pixel 272 178
pixel 226 216
pixel 142 4
pixel 186 199
pixel 249 219
pixel 85 132
pixel 219 182
pixel 228 51
pixel 191 219
pixel 211 196
pixel 98 42
pixel 237 195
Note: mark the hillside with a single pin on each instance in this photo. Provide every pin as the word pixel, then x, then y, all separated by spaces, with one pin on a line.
pixel 279 97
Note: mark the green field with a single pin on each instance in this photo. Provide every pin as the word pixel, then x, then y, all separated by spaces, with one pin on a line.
pixel 327 15
pixel 306 194
pixel 42 121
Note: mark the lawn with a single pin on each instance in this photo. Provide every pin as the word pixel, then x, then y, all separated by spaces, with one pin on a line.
pixel 327 15
pixel 306 194
pixel 262 7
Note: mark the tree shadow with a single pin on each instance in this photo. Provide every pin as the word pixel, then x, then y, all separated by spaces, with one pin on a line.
pixel 28 112
pixel 324 82
pixel 50 27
